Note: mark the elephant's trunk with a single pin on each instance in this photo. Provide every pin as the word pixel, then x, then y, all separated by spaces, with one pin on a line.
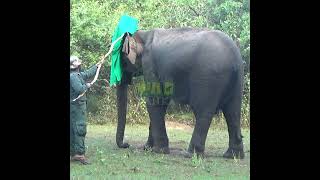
pixel 122 112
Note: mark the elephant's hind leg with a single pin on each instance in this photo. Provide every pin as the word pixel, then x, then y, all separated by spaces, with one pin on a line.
pixel 232 113
pixel 199 136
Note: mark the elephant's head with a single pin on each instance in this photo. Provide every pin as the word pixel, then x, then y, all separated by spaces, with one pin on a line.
pixel 131 56
pixel 132 50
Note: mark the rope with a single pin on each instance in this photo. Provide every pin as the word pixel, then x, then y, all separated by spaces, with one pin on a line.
pixel 99 66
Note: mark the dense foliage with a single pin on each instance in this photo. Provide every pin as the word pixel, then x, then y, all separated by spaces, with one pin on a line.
pixel 93 22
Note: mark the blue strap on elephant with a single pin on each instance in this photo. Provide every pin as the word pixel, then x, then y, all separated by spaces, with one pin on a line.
pixel 126 24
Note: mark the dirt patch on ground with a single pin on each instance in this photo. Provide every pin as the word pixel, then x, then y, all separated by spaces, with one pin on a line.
pixel 176 125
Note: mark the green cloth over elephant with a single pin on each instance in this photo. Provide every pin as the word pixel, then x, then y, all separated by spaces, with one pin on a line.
pixel 126 24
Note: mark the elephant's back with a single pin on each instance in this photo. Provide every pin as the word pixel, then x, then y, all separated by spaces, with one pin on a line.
pixel 191 49
pixel 224 53
pixel 194 58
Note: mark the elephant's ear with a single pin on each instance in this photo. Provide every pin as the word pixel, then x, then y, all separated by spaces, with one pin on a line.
pixel 139 43
pixel 131 48
pixel 125 46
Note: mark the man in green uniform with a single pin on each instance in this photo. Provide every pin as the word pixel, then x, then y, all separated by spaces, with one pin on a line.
pixel 78 126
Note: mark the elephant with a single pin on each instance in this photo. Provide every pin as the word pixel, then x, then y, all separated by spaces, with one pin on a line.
pixel 205 69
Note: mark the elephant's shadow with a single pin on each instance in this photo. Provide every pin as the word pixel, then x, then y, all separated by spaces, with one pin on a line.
pixel 175 151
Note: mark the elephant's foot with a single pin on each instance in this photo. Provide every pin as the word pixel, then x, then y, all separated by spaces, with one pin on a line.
pixel 124 145
pixel 194 148
pixel 188 154
pixel 232 153
pixel 161 150
pixel 147 147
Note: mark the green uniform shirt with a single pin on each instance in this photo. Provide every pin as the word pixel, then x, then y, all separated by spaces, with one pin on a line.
pixel 78 82
pixel 78 125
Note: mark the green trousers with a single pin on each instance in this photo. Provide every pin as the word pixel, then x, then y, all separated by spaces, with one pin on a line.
pixel 78 127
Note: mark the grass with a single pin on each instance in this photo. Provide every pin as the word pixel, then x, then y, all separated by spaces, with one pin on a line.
pixel 110 162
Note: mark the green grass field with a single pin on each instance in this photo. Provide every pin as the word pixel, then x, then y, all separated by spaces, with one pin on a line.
pixel 110 162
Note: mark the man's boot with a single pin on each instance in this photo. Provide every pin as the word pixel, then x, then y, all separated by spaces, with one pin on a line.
pixel 81 158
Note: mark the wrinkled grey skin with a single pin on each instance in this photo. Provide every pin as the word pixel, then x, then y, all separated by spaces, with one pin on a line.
pixel 206 69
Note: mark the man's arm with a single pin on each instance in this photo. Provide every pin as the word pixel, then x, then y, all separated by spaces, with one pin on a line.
pixel 89 73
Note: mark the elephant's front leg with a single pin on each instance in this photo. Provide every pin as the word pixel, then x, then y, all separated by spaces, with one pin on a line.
pixel 157 132
pixel 149 143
